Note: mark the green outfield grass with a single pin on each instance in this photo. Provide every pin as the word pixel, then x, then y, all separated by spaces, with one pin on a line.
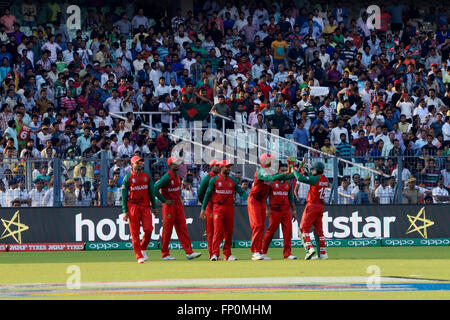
pixel 51 267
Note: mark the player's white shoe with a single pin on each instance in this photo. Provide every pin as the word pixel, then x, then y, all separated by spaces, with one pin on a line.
pixel 310 253
pixel 141 260
pixel 265 257
pixel 168 258
pixel 144 255
pixel 193 255
pixel 231 258
pixel 291 257
pixel 213 258
pixel 322 257
pixel 257 256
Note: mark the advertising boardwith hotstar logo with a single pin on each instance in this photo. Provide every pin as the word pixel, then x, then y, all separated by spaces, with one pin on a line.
pixel 103 224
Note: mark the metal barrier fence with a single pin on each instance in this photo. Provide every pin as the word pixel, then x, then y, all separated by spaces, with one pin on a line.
pixel 60 182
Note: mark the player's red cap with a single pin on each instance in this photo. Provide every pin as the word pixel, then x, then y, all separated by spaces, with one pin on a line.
pixel 396 82
pixel 136 159
pixel 213 163
pixel 224 163
pixel 262 105
pixel 173 160
pixel 265 159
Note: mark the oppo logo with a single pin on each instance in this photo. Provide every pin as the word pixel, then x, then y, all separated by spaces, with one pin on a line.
pixel 403 242
pixel 245 244
pixel 435 242
pixel 362 243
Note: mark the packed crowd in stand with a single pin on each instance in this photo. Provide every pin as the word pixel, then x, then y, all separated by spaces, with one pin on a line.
pixel 319 76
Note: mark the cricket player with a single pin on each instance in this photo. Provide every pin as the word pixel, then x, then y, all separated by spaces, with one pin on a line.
pixel 313 213
pixel 137 193
pixel 282 210
pixel 220 192
pixel 208 216
pixel 173 212
pixel 264 176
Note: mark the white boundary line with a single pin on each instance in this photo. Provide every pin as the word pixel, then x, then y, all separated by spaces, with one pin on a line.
pixel 214 282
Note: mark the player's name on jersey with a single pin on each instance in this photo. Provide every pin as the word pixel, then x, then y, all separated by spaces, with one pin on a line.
pixel 46 247
pixel 137 188
pixel 218 191
pixel 280 193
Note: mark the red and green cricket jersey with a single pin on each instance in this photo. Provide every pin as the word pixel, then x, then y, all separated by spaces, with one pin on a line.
pixel 263 180
pixel 319 183
pixel 170 185
pixel 281 195
pixel 204 186
pixel 221 191
pixel 139 189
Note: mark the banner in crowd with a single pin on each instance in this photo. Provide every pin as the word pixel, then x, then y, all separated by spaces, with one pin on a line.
pixel 104 224
pixel 194 112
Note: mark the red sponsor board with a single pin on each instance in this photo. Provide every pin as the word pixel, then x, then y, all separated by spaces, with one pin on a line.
pixel 3 247
pixel 46 247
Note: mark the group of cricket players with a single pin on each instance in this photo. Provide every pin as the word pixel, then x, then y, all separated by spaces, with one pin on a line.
pixel 270 196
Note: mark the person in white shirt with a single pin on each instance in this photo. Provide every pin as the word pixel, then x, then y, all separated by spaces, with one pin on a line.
pixel 125 149
pixel 84 195
pixel 406 106
pixel 181 38
pixel 421 110
pixel 241 22
pixel 3 197
pixel 406 174
pixel 336 133
pixel 105 76
pixel 188 61
pixel 85 53
pixel 138 64
pixel 155 73
pixel 173 86
pixel 125 55
pixel 48 198
pixel 68 53
pixel 38 193
pixel 113 103
pixel 103 117
pixel 257 68
pixel 384 194
pixel 446 129
pixel 440 193
pixel 236 74
pixel 446 174
pixel 51 46
pixel 166 106
pixel 344 193
pixel 161 89
pixel 22 194
pixel 433 100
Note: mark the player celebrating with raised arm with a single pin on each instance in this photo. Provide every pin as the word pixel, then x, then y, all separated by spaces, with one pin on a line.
pixel 282 210
pixel 256 203
pixel 137 193
pixel 208 215
pixel 173 212
pixel 220 192
pixel 313 213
